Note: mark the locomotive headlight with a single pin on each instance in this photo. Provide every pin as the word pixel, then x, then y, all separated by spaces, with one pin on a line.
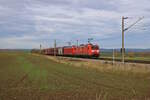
pixel 93 50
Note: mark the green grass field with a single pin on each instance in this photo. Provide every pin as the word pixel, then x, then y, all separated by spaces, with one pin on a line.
pixel 24 76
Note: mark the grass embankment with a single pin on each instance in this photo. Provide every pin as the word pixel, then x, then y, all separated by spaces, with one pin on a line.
pixel 27 76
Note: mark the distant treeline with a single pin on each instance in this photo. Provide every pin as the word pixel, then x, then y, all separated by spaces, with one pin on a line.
pixel 35 51
pixel 15 50
pixel 127 50
pixel 127 54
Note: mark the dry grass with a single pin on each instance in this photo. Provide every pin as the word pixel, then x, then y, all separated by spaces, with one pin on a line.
pixel 103 65
pixel 34 77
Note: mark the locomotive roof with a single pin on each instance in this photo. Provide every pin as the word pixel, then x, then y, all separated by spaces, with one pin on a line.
pixel 73 46
pixel 68 46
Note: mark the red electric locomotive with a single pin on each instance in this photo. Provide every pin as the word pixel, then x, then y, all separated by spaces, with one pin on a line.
pixel 88 50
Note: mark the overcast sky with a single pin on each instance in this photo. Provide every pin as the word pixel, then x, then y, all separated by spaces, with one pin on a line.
pixel 29 23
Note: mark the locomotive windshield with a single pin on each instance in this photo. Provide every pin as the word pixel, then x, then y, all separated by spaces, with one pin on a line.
pixel 95 47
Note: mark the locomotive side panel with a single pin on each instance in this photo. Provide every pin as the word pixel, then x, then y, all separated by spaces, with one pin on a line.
pixel 68 51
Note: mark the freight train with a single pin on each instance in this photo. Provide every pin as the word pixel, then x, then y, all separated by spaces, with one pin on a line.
pixel 87 50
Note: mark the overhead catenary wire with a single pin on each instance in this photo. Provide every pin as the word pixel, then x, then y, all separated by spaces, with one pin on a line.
pixel 125 29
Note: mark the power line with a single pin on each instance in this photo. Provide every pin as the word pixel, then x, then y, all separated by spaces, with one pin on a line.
pixel 133 23
pixel 125 29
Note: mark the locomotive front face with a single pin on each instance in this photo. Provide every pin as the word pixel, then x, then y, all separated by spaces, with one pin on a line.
pixel 95 51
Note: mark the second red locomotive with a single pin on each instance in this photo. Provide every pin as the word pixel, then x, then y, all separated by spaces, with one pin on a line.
pixel 88 50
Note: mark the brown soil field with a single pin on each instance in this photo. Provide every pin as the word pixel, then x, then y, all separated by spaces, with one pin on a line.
pixel 26 76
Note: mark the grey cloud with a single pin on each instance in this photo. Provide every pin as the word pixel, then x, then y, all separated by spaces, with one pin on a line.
pixel 38 21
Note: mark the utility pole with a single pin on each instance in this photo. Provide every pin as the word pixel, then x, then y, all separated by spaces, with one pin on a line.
pixel 55 47
pixel 113 56
pixel 40 48
pixel 122 50
pixel 125 29
pixel 77 43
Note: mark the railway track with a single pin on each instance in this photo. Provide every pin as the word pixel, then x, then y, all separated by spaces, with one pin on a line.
pixel 126 60
pixel 117 60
